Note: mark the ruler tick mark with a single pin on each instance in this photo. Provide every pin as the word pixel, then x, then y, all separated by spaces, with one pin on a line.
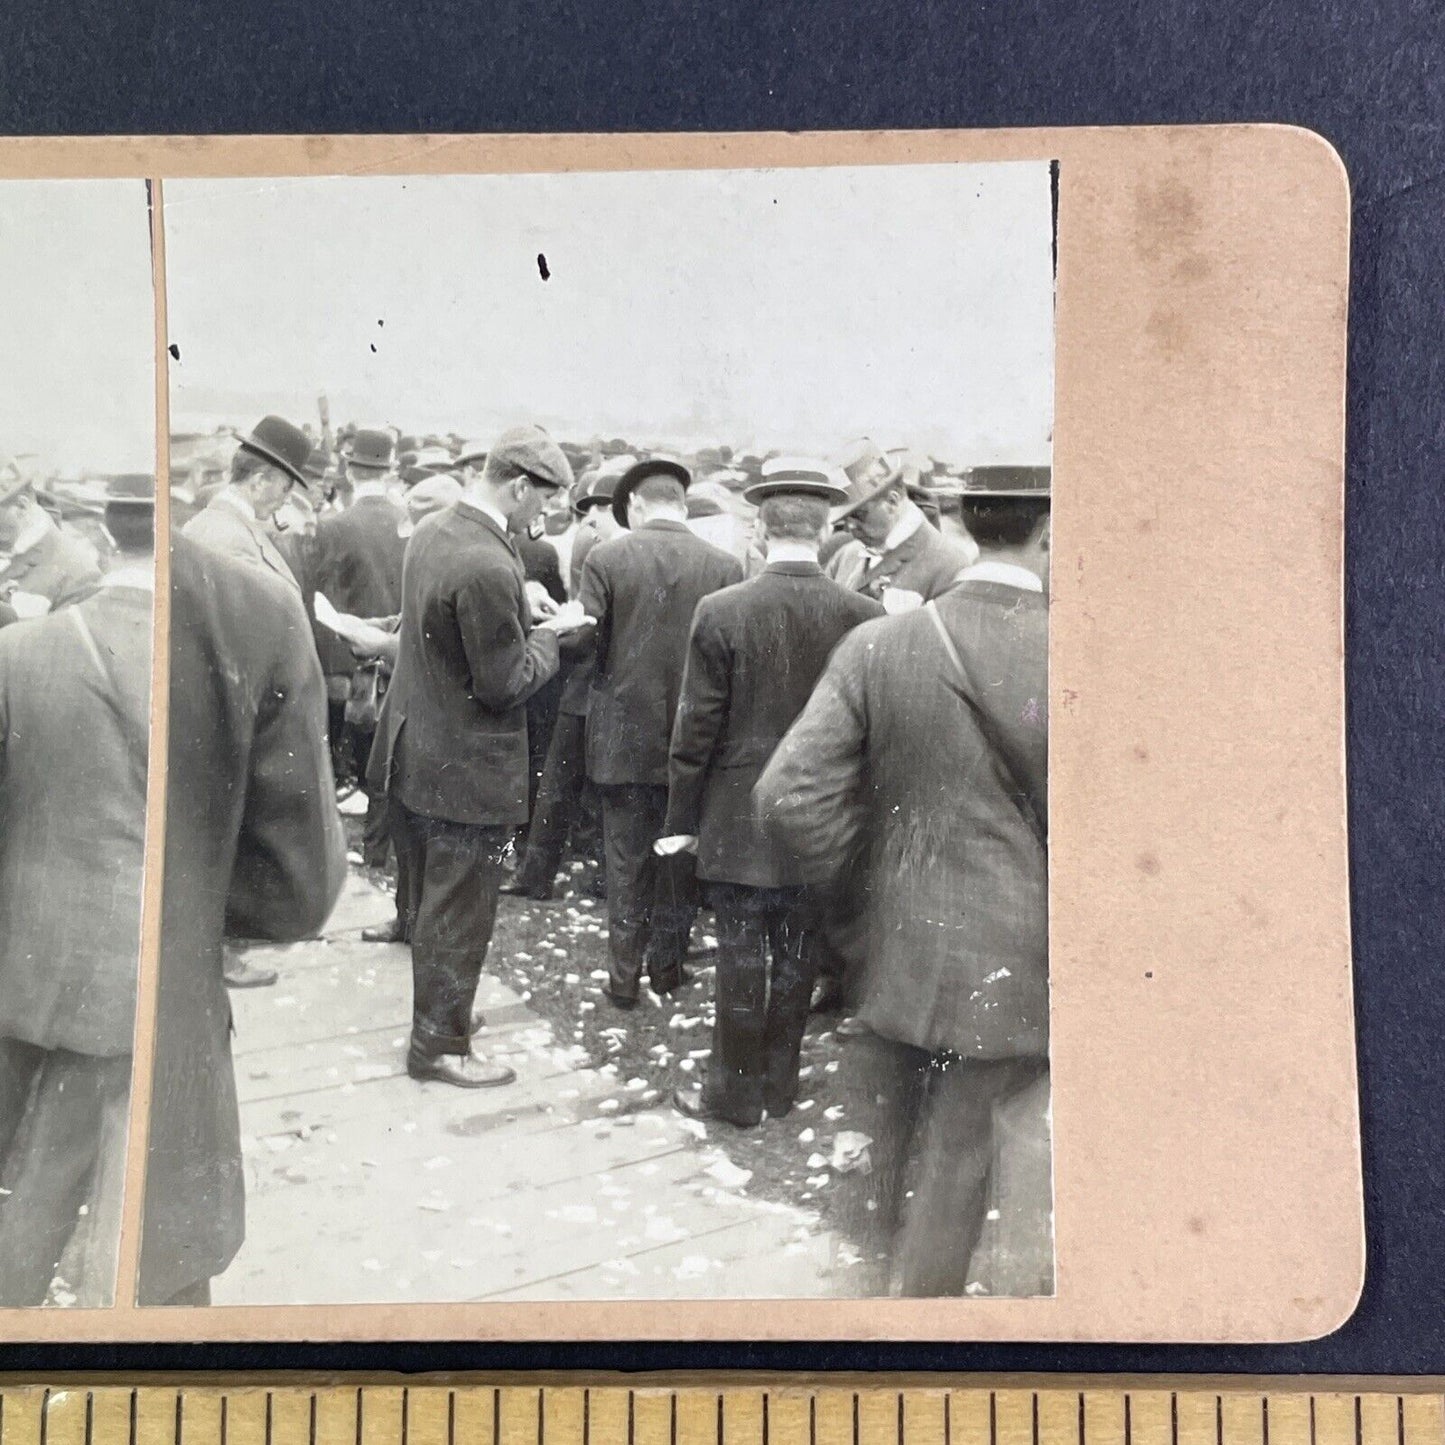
pixel 268 1418
pixel 180 1417
pixel 1219 1420
pixel 360 1407
pixel 496 1417
pixel 1174 1417
pixel 1399 1420
pixel 855 1418
pixel 1128 1419
pixel 813 1421
pixel 587 1417
pixel 311 1426
pixel 45 1415
pixel 405 1414
pixel 541 1416
pixel 631 1418
pixel 1359 1424
pixel 900 1417
pixel 1264 1417
pixel 1312 1420
pixel 451 1418
pixel 1081 1417
pixel 993 1419
pixel 719 1420
pixel 134 1417
pixel 765 1417
pixel 1034 1431
pixel 225 1424
pixel 948 1420
pixel 672 1422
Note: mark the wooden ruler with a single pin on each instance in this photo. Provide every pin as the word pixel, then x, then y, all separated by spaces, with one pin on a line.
pixel 731 1411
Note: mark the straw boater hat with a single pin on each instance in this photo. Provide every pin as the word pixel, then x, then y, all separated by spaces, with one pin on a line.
pixel 799 477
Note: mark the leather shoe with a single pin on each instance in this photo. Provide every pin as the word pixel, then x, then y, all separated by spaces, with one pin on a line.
pixel 240 972
pixel 778 1108
pixel 464 1071
pixel 391 932
pixel 619 1000
pixel 850 1028
pixel 671 983
pixel 694 1104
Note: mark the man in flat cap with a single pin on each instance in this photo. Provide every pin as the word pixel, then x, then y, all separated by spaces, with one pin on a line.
pixel 73 684
pixel 359 553
pixel 43 567
pixel 918 772
pixel 894 549
pixel 265 467
pixel 756 651
pixel 641 590
pixel 451 747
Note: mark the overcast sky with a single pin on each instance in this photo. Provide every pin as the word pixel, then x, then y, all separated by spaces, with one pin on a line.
pixel 790 308
pixel 77 327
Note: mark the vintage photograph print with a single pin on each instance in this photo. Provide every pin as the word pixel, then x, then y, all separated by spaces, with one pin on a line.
pixel 77 588
pixel 607 825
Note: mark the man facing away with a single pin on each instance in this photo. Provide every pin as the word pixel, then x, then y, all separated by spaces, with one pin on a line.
pixel 45 567
pixel 359 554
pixel 641 590
pixel 254 847
pixel 451 746
pixel 74 733
pixel 756 651
pixel 918 771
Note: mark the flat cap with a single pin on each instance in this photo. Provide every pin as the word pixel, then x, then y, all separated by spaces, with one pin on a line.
pixel 527 448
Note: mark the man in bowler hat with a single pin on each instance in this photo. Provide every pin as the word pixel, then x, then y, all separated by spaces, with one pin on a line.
pixel 267 464
pixel 918 773
pixel 756 651
pixel 359 553
pixel 74 734
pixel 641 589
pixel 451 747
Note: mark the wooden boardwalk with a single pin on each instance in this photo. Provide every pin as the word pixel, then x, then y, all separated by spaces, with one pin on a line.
pixel 365 1186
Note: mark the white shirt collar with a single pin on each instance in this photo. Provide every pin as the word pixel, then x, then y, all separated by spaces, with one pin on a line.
pixel 33 535
pixel 487 510
pixel 140 575
pixel 782 551
pixel 909 521
pixel 233 499
pixel 369 489
pixel 1010 574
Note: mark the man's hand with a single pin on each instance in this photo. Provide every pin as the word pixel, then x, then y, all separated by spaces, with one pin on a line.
pixel 539 600
pixel 566 618
pixel 675 843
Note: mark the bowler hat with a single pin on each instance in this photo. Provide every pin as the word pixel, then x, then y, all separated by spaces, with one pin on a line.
pixel 281 444
pixel 638 473
pixel 370 450
pixel 593 489
pixel 798 477
pixel 983 483
pixel 528 449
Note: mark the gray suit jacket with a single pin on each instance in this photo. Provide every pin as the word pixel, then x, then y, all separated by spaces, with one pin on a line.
pixel 922 791
pixel 223 528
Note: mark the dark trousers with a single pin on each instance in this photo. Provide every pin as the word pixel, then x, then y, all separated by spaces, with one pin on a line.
pixel 375 829
pixel 758 1029
pixel 57 1111
pixel 651 901
pixel 559 800
pixel 939 1106
pixel 452 872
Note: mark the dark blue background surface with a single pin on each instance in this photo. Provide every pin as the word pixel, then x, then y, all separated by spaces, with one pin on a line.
pixel 1370 77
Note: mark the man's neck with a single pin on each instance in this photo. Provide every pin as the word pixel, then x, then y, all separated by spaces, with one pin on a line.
pixel 677 515
pixel 481 496
pixel 790 551
pixel 372 487
pixel 234 497
pixel 992 559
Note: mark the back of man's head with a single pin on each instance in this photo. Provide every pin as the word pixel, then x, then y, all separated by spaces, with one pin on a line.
pixel 1004 524
pixel 794 519
pixel 662 495
pixel 132 529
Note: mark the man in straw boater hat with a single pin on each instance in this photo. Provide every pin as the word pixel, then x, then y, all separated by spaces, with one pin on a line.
pixel 641 590
pixel 43 567
pixel 74 734
pixel 267 464
pixel 451 747
pixel 756 651
pixel 359 553
pixel 893 547
pixel 918 770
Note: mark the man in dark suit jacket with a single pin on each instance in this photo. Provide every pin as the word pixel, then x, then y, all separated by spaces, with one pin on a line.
pixel 74 732
pixel 894 546
pixel 253 847
pixel 918 772
pixel 452 744
pixel 756 651
pixel 359 553
pixel 641 590
pixel 49 566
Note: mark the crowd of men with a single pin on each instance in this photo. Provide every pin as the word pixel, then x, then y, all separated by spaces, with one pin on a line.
pixel 809 695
